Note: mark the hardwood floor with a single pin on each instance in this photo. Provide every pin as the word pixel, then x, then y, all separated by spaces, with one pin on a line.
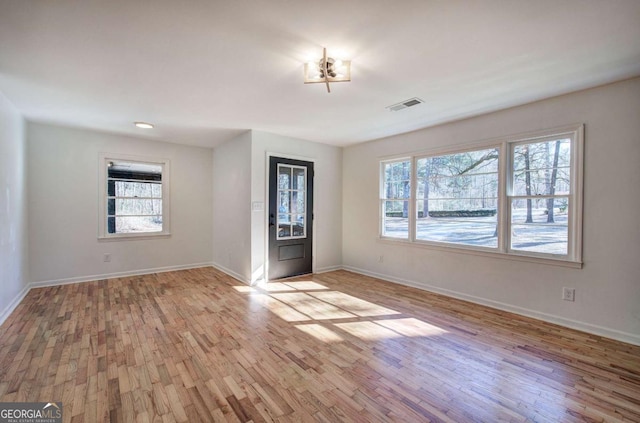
pixel 197 345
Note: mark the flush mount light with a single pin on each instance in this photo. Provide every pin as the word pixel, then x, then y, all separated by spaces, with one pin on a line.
pixel 144 125
pixel 327 70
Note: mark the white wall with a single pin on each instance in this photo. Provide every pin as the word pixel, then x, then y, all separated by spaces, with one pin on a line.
pixel 327 160
pixel 232 207
pixel 13 208
pixel 63 206
pixel 608 285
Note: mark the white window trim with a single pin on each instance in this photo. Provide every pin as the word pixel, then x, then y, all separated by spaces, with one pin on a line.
pixel 304 235
pixel 383 198
pixel 504 144
pixel 104 159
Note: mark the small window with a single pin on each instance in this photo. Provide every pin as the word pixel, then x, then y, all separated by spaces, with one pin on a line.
pixel 134 199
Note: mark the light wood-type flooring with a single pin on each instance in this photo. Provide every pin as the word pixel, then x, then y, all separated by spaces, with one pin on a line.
pixel 197 345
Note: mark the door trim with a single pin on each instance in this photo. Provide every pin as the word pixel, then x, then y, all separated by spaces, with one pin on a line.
pixel 268 156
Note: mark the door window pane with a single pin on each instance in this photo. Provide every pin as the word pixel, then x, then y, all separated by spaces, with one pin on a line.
pixel 292 181
pixel 299 178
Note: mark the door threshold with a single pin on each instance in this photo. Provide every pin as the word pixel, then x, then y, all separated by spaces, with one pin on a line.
pixel 290 277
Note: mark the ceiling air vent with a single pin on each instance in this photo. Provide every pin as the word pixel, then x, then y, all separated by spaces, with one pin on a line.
pixel 407 103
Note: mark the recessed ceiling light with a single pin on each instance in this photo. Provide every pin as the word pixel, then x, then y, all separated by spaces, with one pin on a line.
pixel 144 125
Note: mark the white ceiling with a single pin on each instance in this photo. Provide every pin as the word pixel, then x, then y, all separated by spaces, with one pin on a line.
pixel 203 70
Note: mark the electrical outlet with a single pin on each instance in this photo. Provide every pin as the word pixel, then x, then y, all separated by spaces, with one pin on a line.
pixel 106 258
pixel 380 259
pixel 568 294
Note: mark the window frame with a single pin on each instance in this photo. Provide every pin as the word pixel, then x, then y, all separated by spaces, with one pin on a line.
pixel 103 233
pixel 505 146
pixel 476 147
pixel 384 198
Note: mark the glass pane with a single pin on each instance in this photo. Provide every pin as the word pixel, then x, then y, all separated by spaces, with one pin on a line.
pixel 299 178
pixel 298 228
pixel 397 180
pixel 542 182
pixel 395 219
pixel 461 221
pixel 284 177
pixel 137 224
pixel 542 155
pixel 134 206
pixel 454 165
pixel 540 225
pixel 472 174
pixel 457 198
pixel 291 201
pixel 137 189
pixel 297 202
pixel 542 168
pixel 284 218
pixel 156 190
pixel 284 230
pixel 390 190
pixel 284 204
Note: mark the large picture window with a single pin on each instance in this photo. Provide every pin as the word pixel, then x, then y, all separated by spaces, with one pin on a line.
pixel 517 196
pixel 457 198
pixel 134 198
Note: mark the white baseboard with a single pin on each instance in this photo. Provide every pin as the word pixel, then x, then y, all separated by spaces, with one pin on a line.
pixel 14 303
pixel 65 281
pixel 573 324
pixel 328 269
pixel 231 273
pixel 41 284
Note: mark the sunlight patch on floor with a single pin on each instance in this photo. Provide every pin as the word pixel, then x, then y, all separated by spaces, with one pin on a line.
pixel 368 331
pixel 320 332
pixel 352 304
pixel 313 307
pixel 291 302
pixel 244 288
pixel 276 287
pixel 279 308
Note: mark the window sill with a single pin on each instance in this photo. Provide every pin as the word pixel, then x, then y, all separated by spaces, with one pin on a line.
pixel 483 253
pixel 133 237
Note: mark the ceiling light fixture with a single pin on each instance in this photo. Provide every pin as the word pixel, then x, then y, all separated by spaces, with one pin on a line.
pixel 144 125
pixel 327 70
